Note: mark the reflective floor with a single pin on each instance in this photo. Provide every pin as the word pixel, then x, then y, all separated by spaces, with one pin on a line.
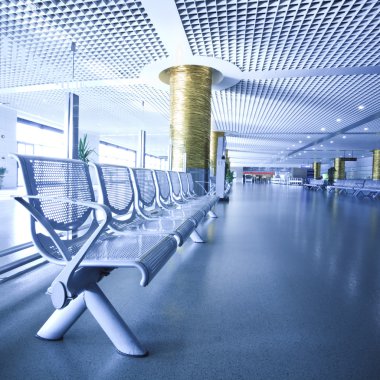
pixel 287 287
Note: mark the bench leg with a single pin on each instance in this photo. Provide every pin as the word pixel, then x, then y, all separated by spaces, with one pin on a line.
pixel 196 237
pixel 212 214
pixel 111 322
pixel 61 320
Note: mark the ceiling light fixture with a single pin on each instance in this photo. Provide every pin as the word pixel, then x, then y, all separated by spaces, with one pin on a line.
pixel 338 120
pixel 361 107
pixel 366 129
pixel 73 49
pixel 343 137
pixel 323 129
pixel 308 137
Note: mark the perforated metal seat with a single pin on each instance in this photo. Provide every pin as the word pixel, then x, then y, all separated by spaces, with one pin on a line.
pixel 370 188
pixel 205 202
pixel 137 209
pixel 61 200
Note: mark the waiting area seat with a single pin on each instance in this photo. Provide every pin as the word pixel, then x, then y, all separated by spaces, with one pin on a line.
pixel 71 229
pixel 315 184
pixel 348 186
pixel 370 188
pixel 356 187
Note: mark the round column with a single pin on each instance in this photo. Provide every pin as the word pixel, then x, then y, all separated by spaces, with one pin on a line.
pixel 190 119
pixel 214 149
pixel 340 169
pixel 376 165
pixel 317 169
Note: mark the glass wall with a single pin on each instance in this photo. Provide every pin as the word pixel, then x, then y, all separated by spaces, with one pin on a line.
pixel 38 139
pixel 154 162
pixel 116 155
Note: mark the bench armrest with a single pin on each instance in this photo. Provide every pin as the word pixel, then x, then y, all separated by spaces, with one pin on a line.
pixel 60 289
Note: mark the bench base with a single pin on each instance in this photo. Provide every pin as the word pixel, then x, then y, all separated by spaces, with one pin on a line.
pixel 104 313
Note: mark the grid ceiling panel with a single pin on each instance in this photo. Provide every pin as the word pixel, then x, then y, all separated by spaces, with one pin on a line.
pixel 114 39
pixel 283 34
pixel 282 108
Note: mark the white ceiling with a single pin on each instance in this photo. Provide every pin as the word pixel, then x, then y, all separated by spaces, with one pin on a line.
pixel 304 69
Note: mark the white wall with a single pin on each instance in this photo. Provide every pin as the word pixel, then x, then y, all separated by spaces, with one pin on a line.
pixel 360 169
pixel 8 144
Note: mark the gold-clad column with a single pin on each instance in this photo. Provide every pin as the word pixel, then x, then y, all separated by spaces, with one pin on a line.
pixel 317 169
pixel 340 168
pixel 376 164
pixel 190 116
pixel 214 148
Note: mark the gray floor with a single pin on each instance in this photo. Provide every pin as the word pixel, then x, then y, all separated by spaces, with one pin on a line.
pixel 288 286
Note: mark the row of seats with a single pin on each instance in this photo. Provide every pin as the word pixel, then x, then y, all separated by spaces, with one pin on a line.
pixel 141 218
pixel 357 187
pixel 315 184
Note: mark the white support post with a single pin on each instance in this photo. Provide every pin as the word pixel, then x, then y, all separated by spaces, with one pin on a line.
pixel 72 125
pixel 141 150
pixel 220 168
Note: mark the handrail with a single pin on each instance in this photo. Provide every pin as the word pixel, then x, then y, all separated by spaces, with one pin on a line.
pixel 15 249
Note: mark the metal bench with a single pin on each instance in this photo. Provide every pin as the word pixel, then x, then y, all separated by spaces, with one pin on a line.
pixel 60 198
pixel 348 186
pixel 206 202
pixel 370 188
pixel 131 196
pixel 315 184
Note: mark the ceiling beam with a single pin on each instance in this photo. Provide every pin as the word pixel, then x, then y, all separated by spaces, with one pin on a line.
pixel 323 72
pixel 340 132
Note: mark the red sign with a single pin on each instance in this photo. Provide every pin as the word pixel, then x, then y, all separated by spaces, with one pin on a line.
pixel 259 173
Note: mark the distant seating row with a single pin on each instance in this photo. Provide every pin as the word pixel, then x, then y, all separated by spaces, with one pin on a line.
pixel 357 187
pixel 143 217
pixel 315 184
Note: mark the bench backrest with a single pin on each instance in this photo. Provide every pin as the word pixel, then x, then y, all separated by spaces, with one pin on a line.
pixel 339 182
pixel 314 181
pixel 358 183
pixel 184 184
pixel 175 184
pixel 191 183
pixel 145 186
pixel 64 179
pixel 116 187
pixel 372 184
pixel 163 186
pixel 58 178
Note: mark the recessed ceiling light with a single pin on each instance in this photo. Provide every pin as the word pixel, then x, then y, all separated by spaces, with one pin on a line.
pixel 308 137
pixel 321 145
pixel 287 148
pixel 343 137
pixel 349 154
pixel 299 154
pixel 366 129
pixel 282 151
pixel 323 129
pixel 338 120
pixel 362 156
pixel 361 107
pixel 293 145
pixel 313 148
pixel 331 142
